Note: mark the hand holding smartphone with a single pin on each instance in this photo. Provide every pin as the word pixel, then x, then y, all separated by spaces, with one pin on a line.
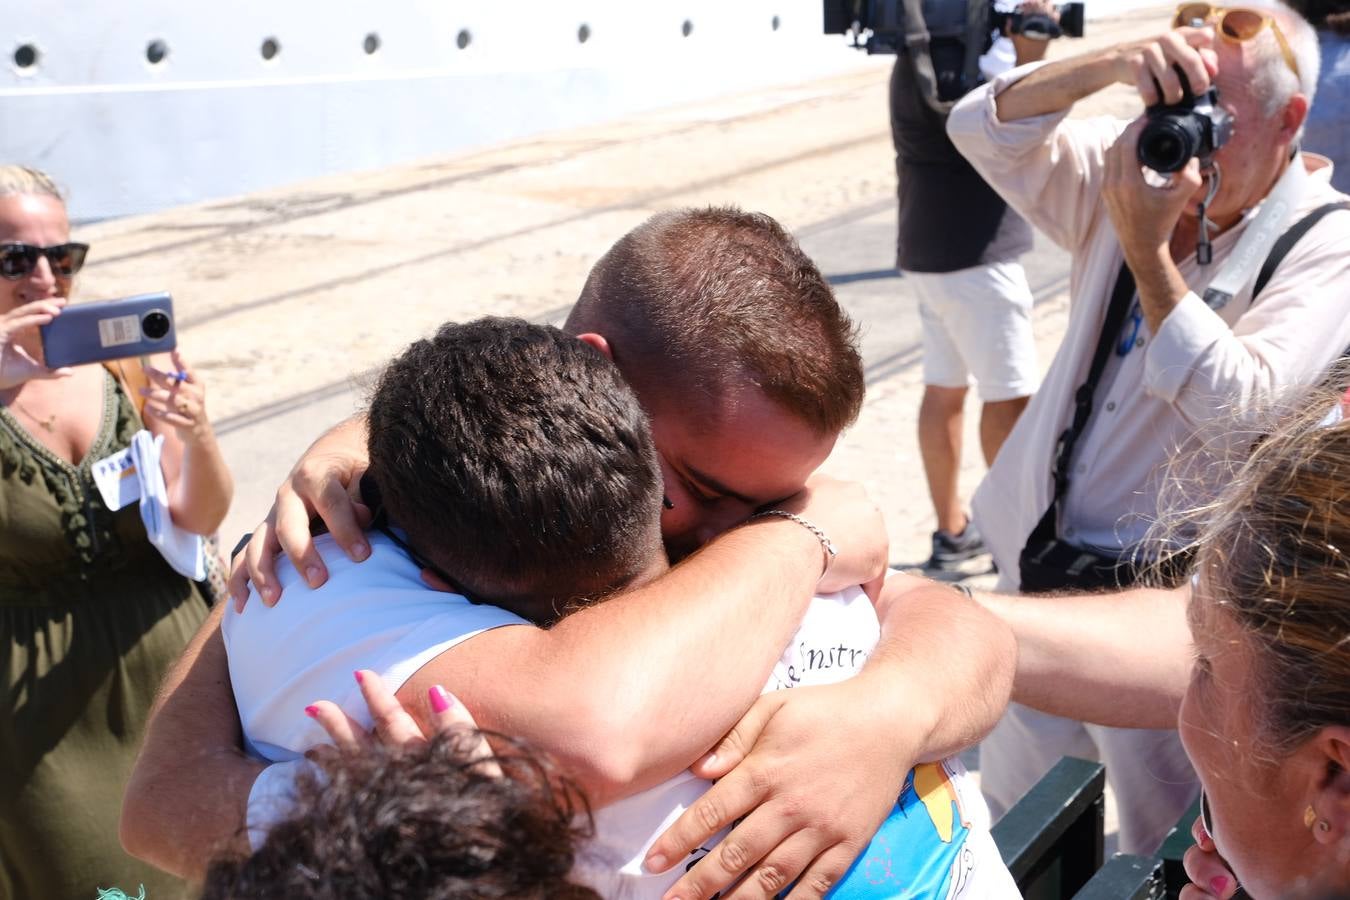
pixel 110 329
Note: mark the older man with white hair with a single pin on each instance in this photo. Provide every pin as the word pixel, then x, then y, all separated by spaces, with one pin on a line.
pixel 1195 295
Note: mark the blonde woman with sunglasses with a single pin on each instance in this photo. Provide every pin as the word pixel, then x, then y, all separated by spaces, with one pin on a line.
pixel 90 614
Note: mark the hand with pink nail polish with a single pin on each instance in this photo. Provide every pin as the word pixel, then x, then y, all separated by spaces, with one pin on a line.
pixel 393 726
pixel 1209 873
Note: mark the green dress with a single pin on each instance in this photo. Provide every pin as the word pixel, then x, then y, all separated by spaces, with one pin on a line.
pixel 91 618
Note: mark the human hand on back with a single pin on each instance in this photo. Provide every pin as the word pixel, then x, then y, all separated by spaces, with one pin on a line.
pixel 324 483
pixel 853 523
pixel 805 804
pixel 394 726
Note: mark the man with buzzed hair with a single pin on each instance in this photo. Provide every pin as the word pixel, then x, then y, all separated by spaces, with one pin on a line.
pixel 625 694
pixel 699 304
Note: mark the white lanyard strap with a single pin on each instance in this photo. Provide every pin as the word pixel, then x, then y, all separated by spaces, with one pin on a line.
pixel 1260 235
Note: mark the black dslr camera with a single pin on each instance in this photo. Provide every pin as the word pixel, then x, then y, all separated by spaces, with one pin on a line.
pixel 884 20
pixel 1195 126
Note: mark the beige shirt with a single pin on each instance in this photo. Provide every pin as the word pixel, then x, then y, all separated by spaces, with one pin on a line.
pixel 1203 369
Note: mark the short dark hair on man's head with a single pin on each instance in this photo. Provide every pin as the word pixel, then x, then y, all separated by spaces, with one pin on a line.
pixel 710 299
pixel 518 461
pixel 420 823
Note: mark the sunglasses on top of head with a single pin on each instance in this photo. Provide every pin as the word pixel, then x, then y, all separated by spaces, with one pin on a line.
pixel 19 260
pixel 1235 25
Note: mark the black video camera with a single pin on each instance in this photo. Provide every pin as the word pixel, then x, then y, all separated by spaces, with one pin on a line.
pixel 884 20
pixel 1194 126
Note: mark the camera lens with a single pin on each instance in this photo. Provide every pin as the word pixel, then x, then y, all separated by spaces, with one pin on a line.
pixel 1168 142
pixel 155 325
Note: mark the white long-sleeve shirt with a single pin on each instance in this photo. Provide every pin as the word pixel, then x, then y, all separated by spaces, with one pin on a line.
pixel 1158 392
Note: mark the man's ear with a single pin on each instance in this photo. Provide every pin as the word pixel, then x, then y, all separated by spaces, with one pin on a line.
pixel 1295 114
pixel 598 341
pixel 1330 821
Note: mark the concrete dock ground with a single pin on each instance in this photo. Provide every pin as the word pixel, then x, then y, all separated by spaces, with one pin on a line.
pixel 288 301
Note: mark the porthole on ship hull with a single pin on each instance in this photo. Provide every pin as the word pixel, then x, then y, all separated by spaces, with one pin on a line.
pixel 26 57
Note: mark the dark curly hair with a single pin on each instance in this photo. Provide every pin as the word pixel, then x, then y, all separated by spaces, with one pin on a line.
pixel 422 823
pixel 519 462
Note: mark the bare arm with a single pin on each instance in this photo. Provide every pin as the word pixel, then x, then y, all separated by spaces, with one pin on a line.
pixel 625 693
pixel 810 774
pixel 949 665
pixel 629 692
pixel 1057 86
pixel 187 795
pixel 1119 659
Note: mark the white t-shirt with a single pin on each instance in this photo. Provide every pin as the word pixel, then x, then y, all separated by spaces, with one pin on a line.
pixel 379 615
pixel 375 615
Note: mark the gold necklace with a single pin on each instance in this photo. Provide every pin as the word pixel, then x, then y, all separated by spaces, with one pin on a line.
pixel 48 423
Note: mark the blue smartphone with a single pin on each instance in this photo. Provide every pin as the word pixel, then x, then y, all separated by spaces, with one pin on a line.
pixel 110 329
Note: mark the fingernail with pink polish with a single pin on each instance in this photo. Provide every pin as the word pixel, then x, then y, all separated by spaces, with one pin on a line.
pixel 1218 884
pixel 312 712
pixel 358 676
pixel 440 700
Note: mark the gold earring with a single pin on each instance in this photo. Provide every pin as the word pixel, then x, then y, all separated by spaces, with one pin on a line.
pixel 1309 817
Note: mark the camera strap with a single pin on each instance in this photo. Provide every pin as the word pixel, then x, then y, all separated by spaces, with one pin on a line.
pixel 1258 238
pixel 1122 296
pixel 918 42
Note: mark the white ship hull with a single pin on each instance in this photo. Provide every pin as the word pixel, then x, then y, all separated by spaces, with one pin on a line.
pixel 137 106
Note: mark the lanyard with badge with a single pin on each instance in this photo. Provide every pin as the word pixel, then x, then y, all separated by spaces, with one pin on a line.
pixel 1270 221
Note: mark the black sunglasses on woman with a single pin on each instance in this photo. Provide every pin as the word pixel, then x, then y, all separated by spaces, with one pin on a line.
pixel 19 260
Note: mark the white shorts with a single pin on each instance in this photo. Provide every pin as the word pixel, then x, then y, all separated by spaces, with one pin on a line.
pixel 977 321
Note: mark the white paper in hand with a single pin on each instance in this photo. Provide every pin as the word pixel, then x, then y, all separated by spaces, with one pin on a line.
pixel 183 550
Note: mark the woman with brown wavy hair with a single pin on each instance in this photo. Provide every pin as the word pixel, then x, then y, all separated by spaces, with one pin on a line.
pixel 1266 716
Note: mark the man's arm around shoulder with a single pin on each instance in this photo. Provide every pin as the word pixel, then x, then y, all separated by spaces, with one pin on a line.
pixel 629 692
pixel 949 661
pixel 186 798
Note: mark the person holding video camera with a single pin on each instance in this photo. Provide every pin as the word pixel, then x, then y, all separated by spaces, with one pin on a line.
pixel 1209 263
pixel 958 246
pixel 91 615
